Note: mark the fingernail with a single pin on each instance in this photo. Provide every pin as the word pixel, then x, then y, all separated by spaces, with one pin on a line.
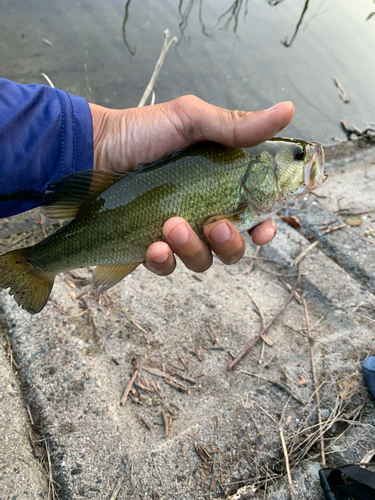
pixel 270 233
pixel 179 235
pixel 267 234
pixel 273 107
pixel 161 259
pixel 220 233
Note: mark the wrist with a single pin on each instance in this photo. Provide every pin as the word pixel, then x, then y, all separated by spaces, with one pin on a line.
pixel 99 116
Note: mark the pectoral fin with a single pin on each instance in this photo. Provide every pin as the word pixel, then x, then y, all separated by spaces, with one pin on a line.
pixel 105 277
pixel 232 216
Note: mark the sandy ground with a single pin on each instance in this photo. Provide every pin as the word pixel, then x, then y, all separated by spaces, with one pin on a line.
pixel 191 428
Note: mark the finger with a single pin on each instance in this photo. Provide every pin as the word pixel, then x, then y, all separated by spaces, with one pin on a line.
pixel 225 241
pixel 193 252
pixel 160 259
pixel 264 232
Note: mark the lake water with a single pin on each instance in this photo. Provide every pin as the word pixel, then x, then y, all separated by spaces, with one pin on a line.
pixel 236 54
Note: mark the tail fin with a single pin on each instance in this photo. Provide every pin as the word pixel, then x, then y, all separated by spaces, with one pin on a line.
pixel 29 287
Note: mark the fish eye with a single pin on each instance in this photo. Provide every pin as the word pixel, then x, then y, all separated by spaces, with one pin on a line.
pixel 299 153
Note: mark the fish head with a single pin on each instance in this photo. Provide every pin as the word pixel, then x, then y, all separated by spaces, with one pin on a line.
pixel 281 170
pixel 298 167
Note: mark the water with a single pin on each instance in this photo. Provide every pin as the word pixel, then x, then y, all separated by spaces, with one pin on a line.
pixel 257 56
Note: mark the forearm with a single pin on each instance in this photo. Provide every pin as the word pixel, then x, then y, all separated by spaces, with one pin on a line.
pixel 45 134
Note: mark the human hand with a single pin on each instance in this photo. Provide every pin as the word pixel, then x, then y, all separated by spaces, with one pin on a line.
pixel 123 139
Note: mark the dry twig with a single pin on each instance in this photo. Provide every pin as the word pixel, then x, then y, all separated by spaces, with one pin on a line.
pixel 347 211
pixel 331 229
pixel 264 411
pixel 289 288
pixel 135 323
pixel 167 422
pixel 155 371
pixel 131 381
pixel 258 337
pixel 285 450
pixel 275 274
pixel 305 252
pixel 49 81
pixel 196 353
pixel 317 396
pixel 30 416
pixel 184 377
pixel 183 362
pixel 179 367
pixel 258 311
pixel 159 64
pixel 169 379
pixel 21 238
pixel 202 452
pixel 211 332
pixel 149 426
pixel 366 317
pixel 177 385
pixel 52 485
pixel 274 382
pixel 117 489
pixel 251 265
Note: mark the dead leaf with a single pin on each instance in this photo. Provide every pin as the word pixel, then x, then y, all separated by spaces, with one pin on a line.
pixel 348 386
pixel 354 220
pixel 292 221
pixel 267 340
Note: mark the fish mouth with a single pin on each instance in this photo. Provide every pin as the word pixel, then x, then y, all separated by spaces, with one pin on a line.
pixel 314 169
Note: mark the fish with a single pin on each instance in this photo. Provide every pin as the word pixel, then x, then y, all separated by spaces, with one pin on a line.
pixel 116 216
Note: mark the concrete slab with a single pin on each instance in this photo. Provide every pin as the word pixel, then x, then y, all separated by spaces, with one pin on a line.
pixel 21 474
pixel 350 187
pixel 76 359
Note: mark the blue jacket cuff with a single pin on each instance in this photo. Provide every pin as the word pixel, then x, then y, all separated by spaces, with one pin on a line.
pixel 45 134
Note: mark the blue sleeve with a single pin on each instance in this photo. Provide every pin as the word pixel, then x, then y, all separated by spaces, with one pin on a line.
pixel 45 133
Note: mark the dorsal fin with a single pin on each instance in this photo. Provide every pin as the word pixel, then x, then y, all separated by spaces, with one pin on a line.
pixel 64 197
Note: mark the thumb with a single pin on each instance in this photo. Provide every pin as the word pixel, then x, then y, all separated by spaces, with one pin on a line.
pixel 197 120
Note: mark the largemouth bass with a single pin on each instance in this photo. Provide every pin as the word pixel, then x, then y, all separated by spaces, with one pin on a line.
pixel 116 216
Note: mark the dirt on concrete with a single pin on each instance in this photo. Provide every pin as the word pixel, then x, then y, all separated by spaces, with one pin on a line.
pixel 191 428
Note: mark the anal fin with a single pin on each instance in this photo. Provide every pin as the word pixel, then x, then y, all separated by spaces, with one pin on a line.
pixel 105 277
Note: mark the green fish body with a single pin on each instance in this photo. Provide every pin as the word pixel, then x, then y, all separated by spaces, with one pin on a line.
pixel 117 216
